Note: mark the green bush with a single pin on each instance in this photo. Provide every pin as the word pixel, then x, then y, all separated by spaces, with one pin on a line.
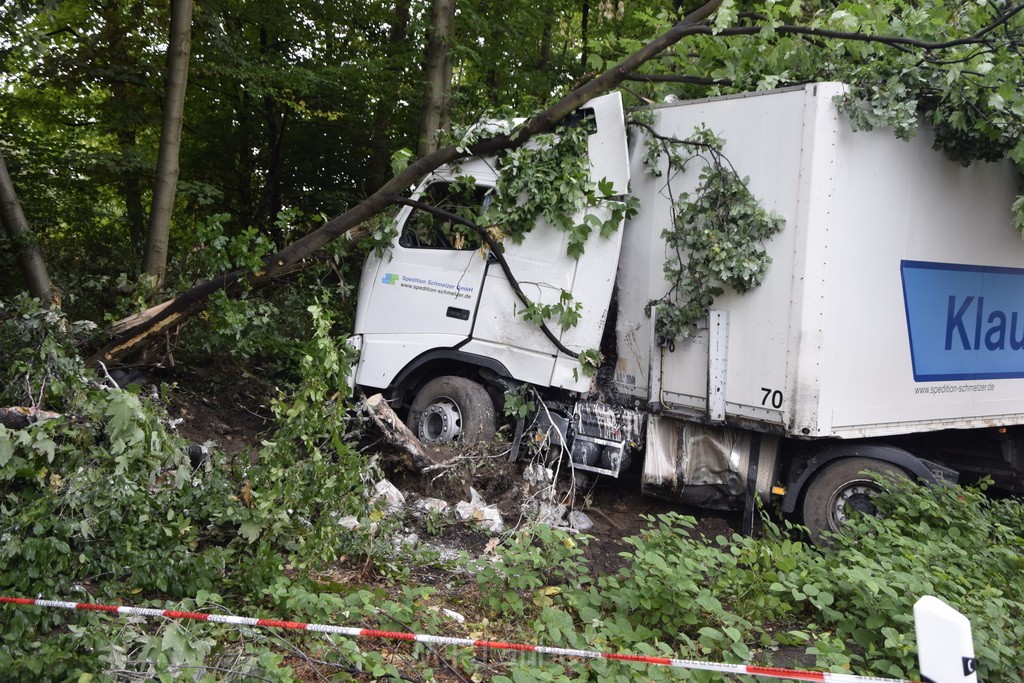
pixel 102 504
pixel 747 600
pixel 951 542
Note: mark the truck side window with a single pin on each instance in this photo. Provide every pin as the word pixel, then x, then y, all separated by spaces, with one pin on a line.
pixel 424 230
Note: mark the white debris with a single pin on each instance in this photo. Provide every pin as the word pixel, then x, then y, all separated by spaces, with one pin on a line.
pixel 551 514
pixel 350 522
pixel 453 615
pixel 479 511
pixel 580 521
pixel 431 505
pixel 539 476
pixel 394 498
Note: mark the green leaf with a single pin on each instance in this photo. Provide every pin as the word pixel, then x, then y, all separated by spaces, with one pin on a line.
pixel 741 650
pixel 6 446
pixel 400 160
pixel 726 15
pixel 249 530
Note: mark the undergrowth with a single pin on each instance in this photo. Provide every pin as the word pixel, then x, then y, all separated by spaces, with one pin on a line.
pixel 755 600
pixel 102 504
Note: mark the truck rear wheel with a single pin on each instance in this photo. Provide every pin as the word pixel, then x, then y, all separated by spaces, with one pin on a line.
pixel 841 489
pixel 452 409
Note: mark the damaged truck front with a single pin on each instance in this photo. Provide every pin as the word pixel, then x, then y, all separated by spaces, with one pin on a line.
pixel 887 335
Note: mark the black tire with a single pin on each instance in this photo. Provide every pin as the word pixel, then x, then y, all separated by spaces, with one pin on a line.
pixel 452 409
pixel 841 489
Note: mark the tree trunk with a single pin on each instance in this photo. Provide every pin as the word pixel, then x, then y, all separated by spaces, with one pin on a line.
pixel 438 75
pixel 132 189
pixel 30 256
pixel 19 417
pixel 545 43
pixel 418 456
pixel 275 119
pixel 154 262
pixel 381 140
pixel 584 33
pixel 352 222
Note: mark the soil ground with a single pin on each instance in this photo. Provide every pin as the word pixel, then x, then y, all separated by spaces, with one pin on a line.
pixel 235 419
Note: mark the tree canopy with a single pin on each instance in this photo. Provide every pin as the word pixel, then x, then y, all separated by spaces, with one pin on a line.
pixel 293 111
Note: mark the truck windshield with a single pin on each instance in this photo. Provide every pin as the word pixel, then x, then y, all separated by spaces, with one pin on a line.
pixel 424 230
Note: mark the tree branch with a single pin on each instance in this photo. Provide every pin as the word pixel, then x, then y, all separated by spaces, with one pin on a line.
pixel 974 39
pixel 677 78
pixel 351 223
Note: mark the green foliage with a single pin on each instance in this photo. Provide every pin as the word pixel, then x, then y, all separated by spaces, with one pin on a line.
pixel 530 569
pixel 99 499
pixel 741 599
pixel 102 502
pixel 951 542
pixel 566 311
pixel 307 472
pixel 590 360
pixel 518 403
pixel 37 354
pixel 966 87
pixel 716 235
pixel 216 251
pixel 549 180
pixel 263 331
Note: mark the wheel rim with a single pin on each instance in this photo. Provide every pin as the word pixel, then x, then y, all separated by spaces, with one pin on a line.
pixel 441 421
pixel 854 496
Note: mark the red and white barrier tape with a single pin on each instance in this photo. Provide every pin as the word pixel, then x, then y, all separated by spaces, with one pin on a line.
pixel 770 672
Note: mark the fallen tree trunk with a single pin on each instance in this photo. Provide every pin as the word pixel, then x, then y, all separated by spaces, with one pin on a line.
pixel 351 224
pixel 19 417
pixel 419 456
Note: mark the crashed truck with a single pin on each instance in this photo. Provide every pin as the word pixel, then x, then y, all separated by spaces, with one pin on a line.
pixel 887 335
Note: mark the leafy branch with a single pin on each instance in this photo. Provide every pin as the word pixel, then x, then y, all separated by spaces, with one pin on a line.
pixel 716 232
pixel 549 180
pixel 497 252
pixel 956 65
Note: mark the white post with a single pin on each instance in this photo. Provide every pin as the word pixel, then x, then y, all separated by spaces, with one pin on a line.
pixel 945 649
pixel 718 358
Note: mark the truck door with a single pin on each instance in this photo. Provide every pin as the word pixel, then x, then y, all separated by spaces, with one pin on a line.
pixel 544 271
pixel 424 289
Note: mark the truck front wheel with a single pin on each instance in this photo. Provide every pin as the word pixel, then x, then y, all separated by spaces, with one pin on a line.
pixel 450 409
pixel 841 489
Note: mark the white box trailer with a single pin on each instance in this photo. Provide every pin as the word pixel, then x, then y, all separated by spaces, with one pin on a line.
pixel 885 243
pixel 888 332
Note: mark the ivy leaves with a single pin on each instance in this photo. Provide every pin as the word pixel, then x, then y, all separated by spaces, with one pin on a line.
pixel 716 234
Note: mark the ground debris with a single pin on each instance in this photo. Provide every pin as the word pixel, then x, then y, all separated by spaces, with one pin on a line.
pixel 477 510
pixel 19 417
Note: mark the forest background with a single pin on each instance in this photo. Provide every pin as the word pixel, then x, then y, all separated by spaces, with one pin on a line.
pixel 293 112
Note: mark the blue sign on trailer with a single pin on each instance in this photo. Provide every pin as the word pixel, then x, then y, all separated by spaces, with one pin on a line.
pixel 964 322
